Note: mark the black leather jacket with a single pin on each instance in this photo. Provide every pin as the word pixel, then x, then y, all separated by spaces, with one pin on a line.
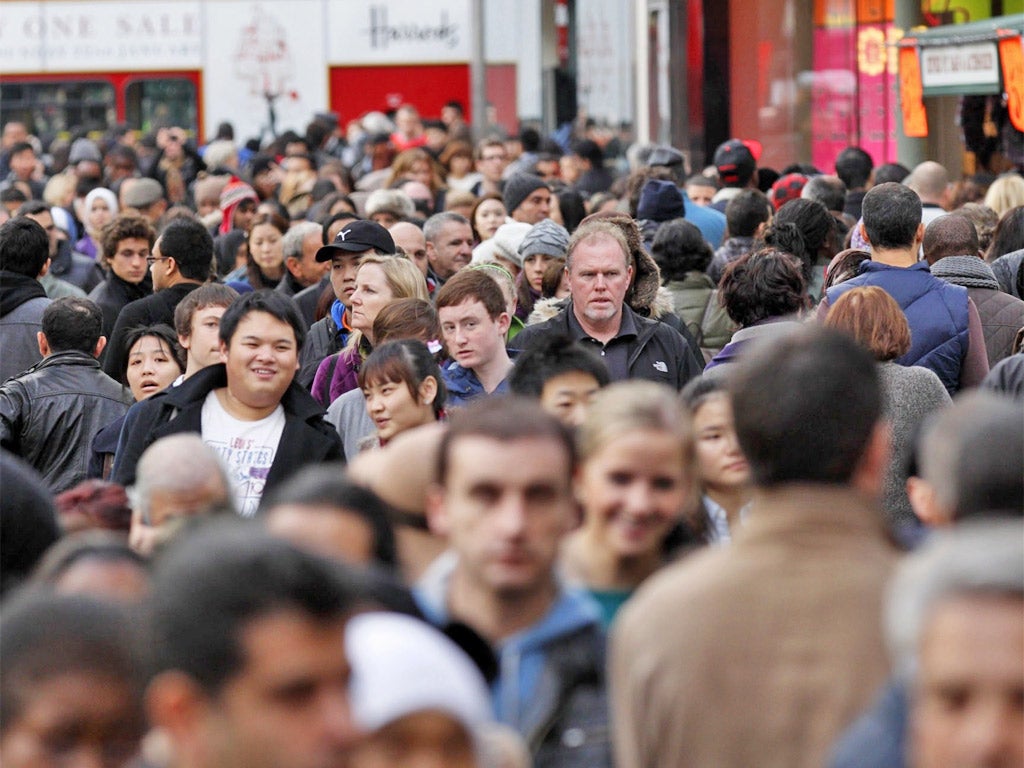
pixel 50 414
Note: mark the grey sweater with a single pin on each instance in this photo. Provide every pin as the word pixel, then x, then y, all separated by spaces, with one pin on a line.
pixel 910 394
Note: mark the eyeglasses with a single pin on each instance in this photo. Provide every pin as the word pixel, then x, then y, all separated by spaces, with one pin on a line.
pixel 151 260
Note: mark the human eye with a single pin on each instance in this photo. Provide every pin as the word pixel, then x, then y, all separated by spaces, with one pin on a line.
pixel 620 478
pixel 541 494
pixel 485 494
pixel 663 483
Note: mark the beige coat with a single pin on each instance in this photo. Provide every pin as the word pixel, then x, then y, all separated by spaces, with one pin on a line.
pixel 761 652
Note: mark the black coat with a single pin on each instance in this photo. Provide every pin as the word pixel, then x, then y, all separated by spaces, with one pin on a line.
pixel 155 308
pixel 307 438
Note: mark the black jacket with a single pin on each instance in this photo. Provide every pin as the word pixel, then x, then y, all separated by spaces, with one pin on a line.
pixel 307 438
pixel 658 353
pixel 114 294
pixel 155 308
pixel 50 414
pixel 75 268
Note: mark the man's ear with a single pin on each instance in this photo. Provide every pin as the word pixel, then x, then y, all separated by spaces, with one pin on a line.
pixel 176 704
pixel 293 265
pixel 924 502
pixel 504 321
pixel 184 341
pixel 101 344
pixel 864 233
pixel 223 351
pixel 44 345
pixel 45 269
pixel 437 515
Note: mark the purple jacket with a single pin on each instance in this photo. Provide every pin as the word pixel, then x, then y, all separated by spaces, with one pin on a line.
pixel 336 375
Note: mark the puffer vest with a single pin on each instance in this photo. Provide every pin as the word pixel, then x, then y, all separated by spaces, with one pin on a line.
pixel 936 312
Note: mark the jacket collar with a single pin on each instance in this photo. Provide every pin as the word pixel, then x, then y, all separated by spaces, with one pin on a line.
pixel 295 401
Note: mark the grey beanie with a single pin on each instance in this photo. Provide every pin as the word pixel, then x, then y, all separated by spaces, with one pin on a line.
pixel 518 188
pixel 546 238
pixel 507 241
pixel 84 149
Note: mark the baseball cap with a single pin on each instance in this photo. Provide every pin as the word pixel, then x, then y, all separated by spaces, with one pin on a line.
pixel 356 237
pixel 736 160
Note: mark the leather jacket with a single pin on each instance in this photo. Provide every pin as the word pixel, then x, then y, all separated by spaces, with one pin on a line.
pixel 50 414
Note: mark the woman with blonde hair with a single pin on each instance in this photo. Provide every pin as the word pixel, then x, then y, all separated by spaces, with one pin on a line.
pixel 1005 193
pixel 911 393
pixel 380 280
pixel 634 485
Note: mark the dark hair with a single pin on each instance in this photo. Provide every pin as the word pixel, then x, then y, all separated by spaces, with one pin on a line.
pixel 790 432
pixel 553 274
pixel 124 226
pixel 550 356
pixel 480 201
pixel 830 191
pixel 892 214
pixel 256 277
pixel 678 248
pixel 44 635
pixel 951 235
pixel 701 389
pixel 24 247
pixel 503 418
pixel 845 265
pixel 985 221
pixel 325 486
pixel 210 586
pixel 471 285
pixel 189 243
pixel 1009 234
pixel 404 361
pixel 589 150
pixel 96 545
pixel 572 207
pixel 19 147
pixel 805 229
pixel 887 172
pixel 159 331
pixel 209 295
pixel 72 324
pixel 763 284
pixel 745 212
pixel 273 303
pixel 874 319
pixel 853 166
pixel 33 207
pixel 406 319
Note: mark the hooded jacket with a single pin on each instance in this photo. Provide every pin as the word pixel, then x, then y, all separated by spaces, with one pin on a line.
pixel 50 414
pixel 307 438
pixel 551 679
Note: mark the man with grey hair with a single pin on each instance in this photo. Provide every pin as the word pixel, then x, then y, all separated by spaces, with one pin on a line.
pixel 449 246
pixel 955 625
pixel 970 461
pixel 600 271
pixel 178 477
pixel 302 270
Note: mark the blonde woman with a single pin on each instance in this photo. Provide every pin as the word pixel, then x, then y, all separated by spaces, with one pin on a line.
pixel 380 280
pixel 634 486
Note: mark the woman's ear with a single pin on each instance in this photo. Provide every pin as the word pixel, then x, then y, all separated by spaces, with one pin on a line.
pixel 428 390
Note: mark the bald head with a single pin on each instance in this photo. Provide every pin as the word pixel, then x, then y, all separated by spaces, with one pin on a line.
pixel 952 235
pixel 180 475
pixel 411 239
pixel 930 180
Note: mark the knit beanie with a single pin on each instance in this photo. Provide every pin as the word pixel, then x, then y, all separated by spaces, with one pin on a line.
pixel 234 192
pixel 660 201
pixel 518 188
pixel 508 239
pixel 545 238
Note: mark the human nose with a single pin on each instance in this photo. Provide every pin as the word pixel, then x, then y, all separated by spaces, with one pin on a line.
pixel 336 719
pixel 511 515
pixel 638 498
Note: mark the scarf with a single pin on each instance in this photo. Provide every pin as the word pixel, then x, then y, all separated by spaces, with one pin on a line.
pixel 967 271
pixel 16 290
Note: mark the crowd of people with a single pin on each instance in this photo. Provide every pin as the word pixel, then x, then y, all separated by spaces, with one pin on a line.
pixel 381 446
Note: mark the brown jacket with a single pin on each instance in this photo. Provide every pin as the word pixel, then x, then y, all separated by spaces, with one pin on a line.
pixel 760 652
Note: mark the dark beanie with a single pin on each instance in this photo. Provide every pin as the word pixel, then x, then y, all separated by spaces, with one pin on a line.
pixel 660 201
pixel 518 188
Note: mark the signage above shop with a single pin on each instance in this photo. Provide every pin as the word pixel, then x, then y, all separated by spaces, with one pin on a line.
pixel 974 67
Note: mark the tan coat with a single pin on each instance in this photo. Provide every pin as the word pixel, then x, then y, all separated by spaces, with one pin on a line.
pixel 761 652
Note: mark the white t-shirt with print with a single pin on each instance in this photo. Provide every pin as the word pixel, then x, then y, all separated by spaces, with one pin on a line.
pixel 246 448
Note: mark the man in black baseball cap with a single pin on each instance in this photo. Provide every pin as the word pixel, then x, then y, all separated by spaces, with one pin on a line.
pixel 327 336
pixel 736 161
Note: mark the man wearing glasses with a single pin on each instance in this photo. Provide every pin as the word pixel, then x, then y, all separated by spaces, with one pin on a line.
pixel 180 263
pixel 491 159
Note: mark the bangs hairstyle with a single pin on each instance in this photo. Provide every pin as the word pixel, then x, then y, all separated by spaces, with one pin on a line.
pixel 472 285
pixel 874 319
pixel 163 333
pixel 628 406
pixel 209 295
pixel 406 361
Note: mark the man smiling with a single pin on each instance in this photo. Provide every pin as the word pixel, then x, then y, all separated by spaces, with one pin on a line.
pixel 247 407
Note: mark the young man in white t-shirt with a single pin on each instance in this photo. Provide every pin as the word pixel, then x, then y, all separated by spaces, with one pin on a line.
pixel 247 408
